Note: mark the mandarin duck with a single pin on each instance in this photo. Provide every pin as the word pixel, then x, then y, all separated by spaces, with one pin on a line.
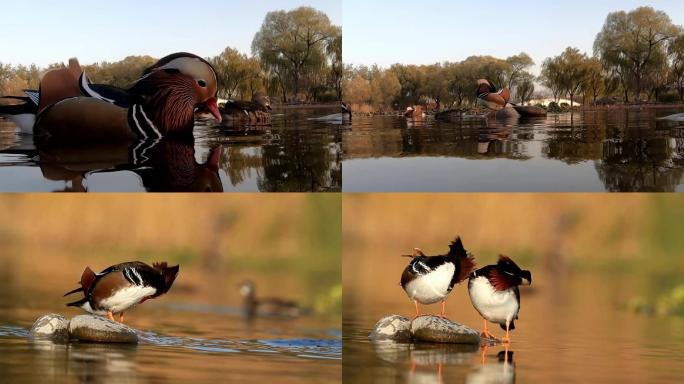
pixel 122 286
pixel 414 112
pixel 254 112
pixel 488 96
pixel 429 279
pixel 495 294
pixel 162 102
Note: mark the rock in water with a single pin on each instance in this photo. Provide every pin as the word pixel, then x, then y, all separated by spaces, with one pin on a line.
pixel 101 330
pixel 437 329
pixel 52 326
pixel 393 327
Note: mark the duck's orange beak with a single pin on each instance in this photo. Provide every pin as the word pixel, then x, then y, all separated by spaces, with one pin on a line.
pixel 212 107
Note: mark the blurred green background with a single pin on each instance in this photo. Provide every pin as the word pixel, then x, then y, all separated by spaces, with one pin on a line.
pixel 289 244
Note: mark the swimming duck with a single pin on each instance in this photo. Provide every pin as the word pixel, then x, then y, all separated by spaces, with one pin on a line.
pixel 414 112
pixel 255 112
pixel 489 97
pixel 268 306
pixel 495 294
pixel 162 102
pixel 429 279
pixel 345 116
pixel 678 117
pixel 122 286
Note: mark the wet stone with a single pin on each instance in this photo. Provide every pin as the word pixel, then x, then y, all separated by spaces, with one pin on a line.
pixel 393 327
pixel 437 329
pixel 101 330
pixel 52 327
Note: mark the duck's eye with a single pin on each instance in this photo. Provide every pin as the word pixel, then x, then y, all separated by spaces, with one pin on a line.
pixel 202 83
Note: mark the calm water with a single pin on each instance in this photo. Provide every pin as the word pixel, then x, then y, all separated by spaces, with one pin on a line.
pixel 609 150
pixel 184 338
pixel 295 154
pixel 570 330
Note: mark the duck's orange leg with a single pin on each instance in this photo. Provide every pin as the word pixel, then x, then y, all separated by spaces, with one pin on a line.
pixel 485 332
pixel 417 310
pixel 110 316
pixel 507 339
pixel 121 317
pixel 443 308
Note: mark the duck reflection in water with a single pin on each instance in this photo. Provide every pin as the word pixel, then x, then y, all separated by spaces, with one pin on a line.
pixel 500 371
pixel 162 165
pixel 439 363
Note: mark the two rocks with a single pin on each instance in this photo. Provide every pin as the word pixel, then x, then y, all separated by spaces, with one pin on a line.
pixel 87 328
pixel 424 328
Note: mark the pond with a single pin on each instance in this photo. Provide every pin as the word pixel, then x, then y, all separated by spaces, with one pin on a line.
pixel 616 150
pixel 183 339
pixel 571 329
pixel 295 154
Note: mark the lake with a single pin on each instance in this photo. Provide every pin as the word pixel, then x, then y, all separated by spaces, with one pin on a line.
pixel 618 150
pixel 295 154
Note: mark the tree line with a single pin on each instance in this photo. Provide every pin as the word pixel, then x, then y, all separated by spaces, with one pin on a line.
pixel 296 57
pixel 637 56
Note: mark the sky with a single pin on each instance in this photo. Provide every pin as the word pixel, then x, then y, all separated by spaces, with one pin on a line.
pixel 386 32
pixel 44 32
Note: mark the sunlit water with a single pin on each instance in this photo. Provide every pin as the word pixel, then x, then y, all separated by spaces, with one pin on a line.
pixel 183 338
pixel 606 150
pixel 295 154
pixel 571 329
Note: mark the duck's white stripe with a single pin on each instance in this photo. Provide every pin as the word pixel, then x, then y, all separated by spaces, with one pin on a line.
pixel 154 129
pixel 89 91
pixel 137 123
pixel 137 275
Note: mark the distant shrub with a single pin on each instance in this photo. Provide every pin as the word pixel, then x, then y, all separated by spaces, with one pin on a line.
pixel 554 107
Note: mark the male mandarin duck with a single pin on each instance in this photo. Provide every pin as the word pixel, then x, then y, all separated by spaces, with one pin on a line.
pixel 267 306
pixel 414 112
pixel 495 295
pixel 162 102
pixel 122 286
pixel 489 97
pixel 255 112
pixel 429 279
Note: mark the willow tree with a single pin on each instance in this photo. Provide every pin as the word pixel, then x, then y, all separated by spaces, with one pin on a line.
pixel 551 76
pixel 289 40
pixel 525 87
pixel 517 68
pixel 676 53
pixel 595 80
pixel 629 42
pixel 333 49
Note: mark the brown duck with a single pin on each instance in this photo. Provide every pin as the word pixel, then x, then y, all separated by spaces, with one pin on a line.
pixel 267 306
pixel 255 112
pixel 162 102
pixel 122 286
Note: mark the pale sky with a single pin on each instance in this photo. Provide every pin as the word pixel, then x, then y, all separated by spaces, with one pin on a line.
pixel 413 32
pixel 44 32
